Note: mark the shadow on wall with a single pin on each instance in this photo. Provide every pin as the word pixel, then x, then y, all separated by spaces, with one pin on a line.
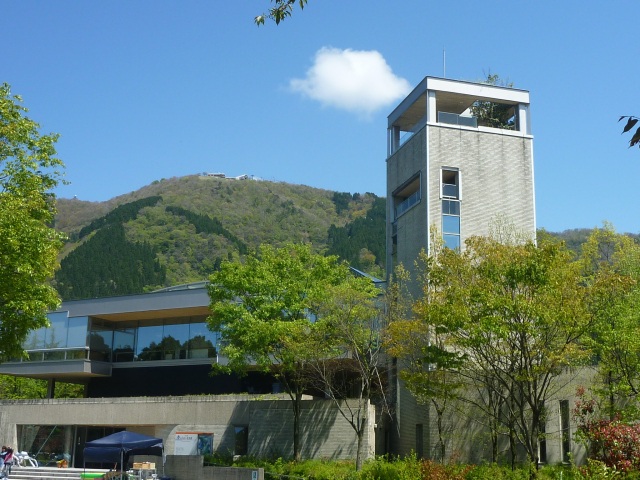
pixel 323 431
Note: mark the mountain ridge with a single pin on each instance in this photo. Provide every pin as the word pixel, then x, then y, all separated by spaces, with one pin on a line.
pixel 193 223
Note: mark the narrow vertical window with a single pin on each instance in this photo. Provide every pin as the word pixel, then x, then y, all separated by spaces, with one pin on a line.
pixel 450 193
pixel 565 429
pixel 542 443
pixel 419 441
pixel 242 440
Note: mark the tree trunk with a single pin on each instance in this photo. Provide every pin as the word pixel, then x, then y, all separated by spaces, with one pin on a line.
pixel 360 437
pixel 297 407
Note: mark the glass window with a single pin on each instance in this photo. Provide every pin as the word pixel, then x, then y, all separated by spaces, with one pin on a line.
pixel 149 345
pixel 174 341
pixel 450 207
pixel 202 341
pixel 123 341
pixel 56 334
pixel 451 224
pixel 452 241
pixel 450 182
pixel 242 440
pixel 100 342
pixel 77 331
pixel 35 339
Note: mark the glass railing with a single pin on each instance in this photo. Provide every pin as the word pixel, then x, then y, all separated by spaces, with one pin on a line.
pixel 455 119
pixel 407 203
pixel 57 354
pixel 123 355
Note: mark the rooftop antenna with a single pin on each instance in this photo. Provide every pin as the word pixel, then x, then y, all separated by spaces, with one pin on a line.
pixel 444 63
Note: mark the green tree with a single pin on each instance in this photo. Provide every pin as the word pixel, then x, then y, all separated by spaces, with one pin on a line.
pixel 264 309
pixel 523 316
pixel 518 313
pixel 29 170
pixel 350 371
pixel 492 114
pixel 611 265
pixel 281 10
pixel 15 388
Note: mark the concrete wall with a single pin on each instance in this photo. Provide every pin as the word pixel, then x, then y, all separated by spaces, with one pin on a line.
pixel 413 225
pixel 324 432
pixel 467 437
pixel 190 467
pixel 496 177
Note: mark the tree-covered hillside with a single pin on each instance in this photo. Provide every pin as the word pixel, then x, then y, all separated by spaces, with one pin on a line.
pixel 179 230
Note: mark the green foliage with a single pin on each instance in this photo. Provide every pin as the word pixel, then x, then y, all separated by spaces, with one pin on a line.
pixel 349 337
pixel 262 307
pixel 107 265
pixel 206 224
pixel 29 170
pixel 611 264
pixel 360 236
pixel 249 212
pixel 265 310
pixel 493 471
pixel 281 10
pixel 119 215
pixel 18 388
pixel 341 201
pixel 409 468
pixel 491 114
pixel 518 312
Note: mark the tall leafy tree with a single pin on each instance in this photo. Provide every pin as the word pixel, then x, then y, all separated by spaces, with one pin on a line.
pixel 350 370
pixel 264 310
pixel 518 314
pixel 611 264
pixel 29 170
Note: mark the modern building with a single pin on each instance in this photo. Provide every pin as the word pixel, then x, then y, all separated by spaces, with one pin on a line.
pixel 459 157
pixel 145 361
pixel 459 164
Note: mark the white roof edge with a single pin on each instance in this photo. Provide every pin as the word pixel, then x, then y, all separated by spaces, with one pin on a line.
pixel 462 87
pixel 477 89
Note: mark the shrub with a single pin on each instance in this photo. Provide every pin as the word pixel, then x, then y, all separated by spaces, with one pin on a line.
pixel 614 443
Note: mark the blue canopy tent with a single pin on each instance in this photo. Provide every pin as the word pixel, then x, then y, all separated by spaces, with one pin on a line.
pixel 117 447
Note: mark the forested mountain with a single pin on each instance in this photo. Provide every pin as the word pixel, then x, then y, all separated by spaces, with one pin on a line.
pixel 575 237
pixel 179 230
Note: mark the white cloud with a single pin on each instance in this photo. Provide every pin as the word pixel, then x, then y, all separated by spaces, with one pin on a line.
pixel 354 80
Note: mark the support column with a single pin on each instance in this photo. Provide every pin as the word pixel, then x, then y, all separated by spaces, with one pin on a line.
pixel 51 388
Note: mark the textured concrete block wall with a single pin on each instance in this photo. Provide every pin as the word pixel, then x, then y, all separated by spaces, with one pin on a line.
pixel 496 178
pixel 413 225
pixel 324 432
pixel 190 467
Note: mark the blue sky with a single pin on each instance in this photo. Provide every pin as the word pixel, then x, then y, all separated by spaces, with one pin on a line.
pixel 147 89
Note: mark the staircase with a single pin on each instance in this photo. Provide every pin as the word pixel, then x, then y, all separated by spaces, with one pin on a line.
pixel 50 473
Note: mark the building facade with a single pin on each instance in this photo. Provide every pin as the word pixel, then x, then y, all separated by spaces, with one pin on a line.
pixel 449 172
pixel 459 164
pixel 145 362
